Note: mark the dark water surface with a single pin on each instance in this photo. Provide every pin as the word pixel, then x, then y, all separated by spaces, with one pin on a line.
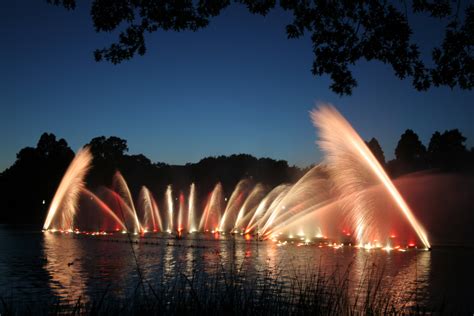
pixel 42 268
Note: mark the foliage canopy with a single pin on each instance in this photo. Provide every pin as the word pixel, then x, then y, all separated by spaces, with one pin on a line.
pixel 342 33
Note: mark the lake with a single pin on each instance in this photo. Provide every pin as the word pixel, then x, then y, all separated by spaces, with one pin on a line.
pixel 39 268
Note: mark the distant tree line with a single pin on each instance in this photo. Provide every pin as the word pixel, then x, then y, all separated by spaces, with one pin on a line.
pixel 446 152
pixel 28 186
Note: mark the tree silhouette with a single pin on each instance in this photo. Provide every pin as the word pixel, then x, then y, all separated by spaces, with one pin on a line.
pixel 447 151
pixel 28 186
pixel 342 33
pixel 111 148
pixel 35 175
pixel 410 155
pixel 409 147
pixel 108 153
pixel 376 149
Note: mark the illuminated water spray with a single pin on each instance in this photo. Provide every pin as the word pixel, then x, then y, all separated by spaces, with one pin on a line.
pixel 105 209
pixel 264 205
pixel 233 205
pixel 249 207
pixel 151 213
pixel 346 153
pixel 212 211
pixel 169 205
pixel 67 194
pixel 191 209
pixel 346 194
pixel 181 218
pixel 121 188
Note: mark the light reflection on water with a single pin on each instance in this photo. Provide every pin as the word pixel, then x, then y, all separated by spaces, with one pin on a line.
pixel 39 267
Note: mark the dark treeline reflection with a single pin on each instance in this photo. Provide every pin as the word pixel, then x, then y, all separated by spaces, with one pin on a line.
pixel 28 186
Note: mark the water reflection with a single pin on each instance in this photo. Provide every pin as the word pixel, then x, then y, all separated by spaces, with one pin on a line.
pixel 76 264
pixel 87 267
pixel 404 277
pixel 64 265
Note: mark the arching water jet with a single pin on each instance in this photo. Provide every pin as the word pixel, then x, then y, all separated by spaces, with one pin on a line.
pixel 212 211
pixel 120 186
pixel 233 205
pixel 67 194
pixel 353 167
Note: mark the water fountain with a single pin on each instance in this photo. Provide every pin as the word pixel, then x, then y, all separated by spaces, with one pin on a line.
pixel 347 197
pixel 151 217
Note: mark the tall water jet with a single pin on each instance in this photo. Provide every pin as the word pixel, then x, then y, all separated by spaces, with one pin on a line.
pixel 146 215
pixel 121 208
pixel 181 218
pixel 120 186
pixel 353 167
pixel 105 208
pixel 212 211
pixel 169 206
pixel 67 194
pixel 191 209
pixel 233 205
pixel 151 219
pixel 156 211
pixel 262 212
pixel 310 191
pixel 249 206
pixel 268 216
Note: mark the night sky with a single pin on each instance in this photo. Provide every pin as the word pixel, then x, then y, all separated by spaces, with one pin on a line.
pixel 238 86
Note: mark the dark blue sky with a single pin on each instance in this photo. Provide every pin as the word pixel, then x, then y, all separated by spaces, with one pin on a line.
pixel 238 86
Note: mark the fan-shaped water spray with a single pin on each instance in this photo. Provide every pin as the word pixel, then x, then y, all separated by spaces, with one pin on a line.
pixel 64 205
pixel 348 194
pixel 119 185
pixel 233 205
pixel 249 207
pixel 264 205
pixel 353 168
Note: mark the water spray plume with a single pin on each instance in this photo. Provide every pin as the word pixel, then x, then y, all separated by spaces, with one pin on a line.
pixel 345 196
pixel 233 205
pixel 121 188
pixel 341 143
pixel 105 208
pixel 181 212
pixel 169 202
pixel 150 212
pixel 212 211
pixel 191 208
pixel 267 201
pixel 249 206
pixel 67 194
